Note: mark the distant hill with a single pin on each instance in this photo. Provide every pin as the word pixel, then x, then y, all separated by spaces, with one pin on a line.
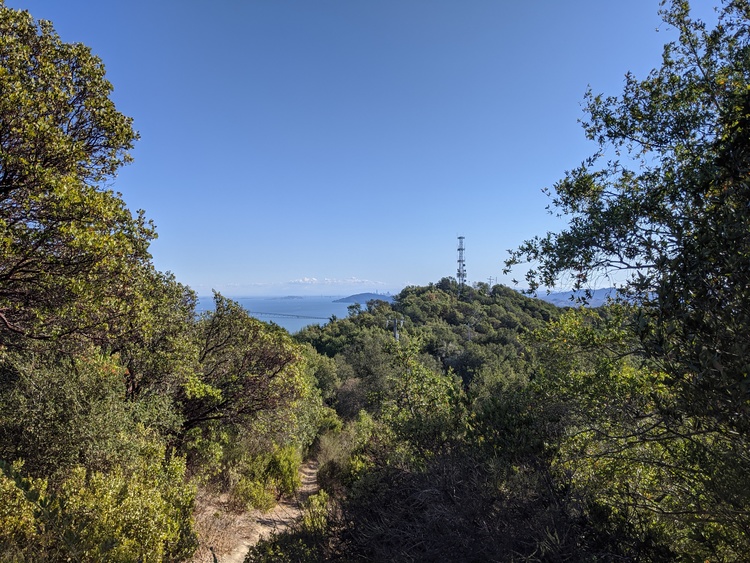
pixel 568 298
pixel 364 298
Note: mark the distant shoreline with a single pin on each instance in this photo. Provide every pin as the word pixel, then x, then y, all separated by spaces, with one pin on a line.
pixel 364 298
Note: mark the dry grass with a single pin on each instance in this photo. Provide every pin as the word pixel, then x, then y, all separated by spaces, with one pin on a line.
pixel 220 527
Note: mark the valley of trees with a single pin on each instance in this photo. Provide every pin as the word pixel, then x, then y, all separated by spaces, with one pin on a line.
pixel 495 427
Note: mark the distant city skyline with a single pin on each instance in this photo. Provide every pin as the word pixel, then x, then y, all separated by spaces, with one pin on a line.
pixel 337 147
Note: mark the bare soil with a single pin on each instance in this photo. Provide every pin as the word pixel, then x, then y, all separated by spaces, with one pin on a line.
pixel 230 534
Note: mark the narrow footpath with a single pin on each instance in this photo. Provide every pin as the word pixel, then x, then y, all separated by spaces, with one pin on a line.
pixel 231 534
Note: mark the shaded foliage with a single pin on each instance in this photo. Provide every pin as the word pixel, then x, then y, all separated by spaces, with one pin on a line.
pixel 244 367
pixel 659 443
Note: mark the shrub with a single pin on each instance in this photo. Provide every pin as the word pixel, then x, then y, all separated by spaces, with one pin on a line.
pixel 248 494
pixel 143 513
pixel 283 470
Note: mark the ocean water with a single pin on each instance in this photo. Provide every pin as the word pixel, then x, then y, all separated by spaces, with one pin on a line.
pixel 292 313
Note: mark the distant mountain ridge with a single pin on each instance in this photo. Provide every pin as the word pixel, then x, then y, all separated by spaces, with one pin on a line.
pixel 568 298
pixel 364 298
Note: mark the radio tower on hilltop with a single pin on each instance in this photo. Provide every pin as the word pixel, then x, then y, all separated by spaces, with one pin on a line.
pixel 461 275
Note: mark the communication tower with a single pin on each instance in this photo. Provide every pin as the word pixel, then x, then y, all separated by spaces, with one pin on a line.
pixel 461 275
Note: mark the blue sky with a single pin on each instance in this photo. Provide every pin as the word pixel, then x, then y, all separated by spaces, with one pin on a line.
pixel 327 147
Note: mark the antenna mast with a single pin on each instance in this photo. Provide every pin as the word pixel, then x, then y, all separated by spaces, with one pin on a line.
pixel 461 275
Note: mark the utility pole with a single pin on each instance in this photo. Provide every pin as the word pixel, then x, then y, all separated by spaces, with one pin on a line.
pixel 397 323
pixel 489 287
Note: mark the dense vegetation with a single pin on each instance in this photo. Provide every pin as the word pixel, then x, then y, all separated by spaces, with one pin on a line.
pixel 116 399
pixel 617 434
pixel 455 424
pixel 500 428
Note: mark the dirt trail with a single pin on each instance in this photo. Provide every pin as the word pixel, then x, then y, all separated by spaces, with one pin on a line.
pixel 231 534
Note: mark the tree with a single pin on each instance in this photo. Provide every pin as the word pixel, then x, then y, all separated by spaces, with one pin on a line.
pixel 68 245
pixel 673 212
pixel 156 346
pixel 650 480
pixel 245 368
pixel 665 199
pixel 424 409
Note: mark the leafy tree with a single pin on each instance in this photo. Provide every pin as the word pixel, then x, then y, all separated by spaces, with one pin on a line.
pixel 424 409
pixel 665 198
pixel 652 486
pixel 323 370
pixel 252 395
pixel 156 346
pixel 245 368
pixel 107 377
pixel 68 244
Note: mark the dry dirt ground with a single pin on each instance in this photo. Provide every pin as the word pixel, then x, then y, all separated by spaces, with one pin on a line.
pixel 231 533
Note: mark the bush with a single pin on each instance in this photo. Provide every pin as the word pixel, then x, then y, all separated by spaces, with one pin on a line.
pixel 142 514
pixel 283 470
pixel 58 412
pixel 339 452
pixel 257 481
pixel 248 494
pixel 18 528
pixel 315 517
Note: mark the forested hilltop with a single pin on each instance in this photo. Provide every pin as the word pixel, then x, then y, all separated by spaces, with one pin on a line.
pixel 455 423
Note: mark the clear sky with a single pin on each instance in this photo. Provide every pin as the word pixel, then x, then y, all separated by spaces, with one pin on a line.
pixel 328 147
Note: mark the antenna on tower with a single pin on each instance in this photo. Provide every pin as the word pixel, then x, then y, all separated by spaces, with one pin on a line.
pixel 461 275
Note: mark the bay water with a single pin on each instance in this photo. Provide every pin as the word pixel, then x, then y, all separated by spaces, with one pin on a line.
pixel 290 312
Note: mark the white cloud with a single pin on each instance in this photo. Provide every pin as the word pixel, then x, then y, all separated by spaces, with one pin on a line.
pixel 305 281
pixel 334 281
